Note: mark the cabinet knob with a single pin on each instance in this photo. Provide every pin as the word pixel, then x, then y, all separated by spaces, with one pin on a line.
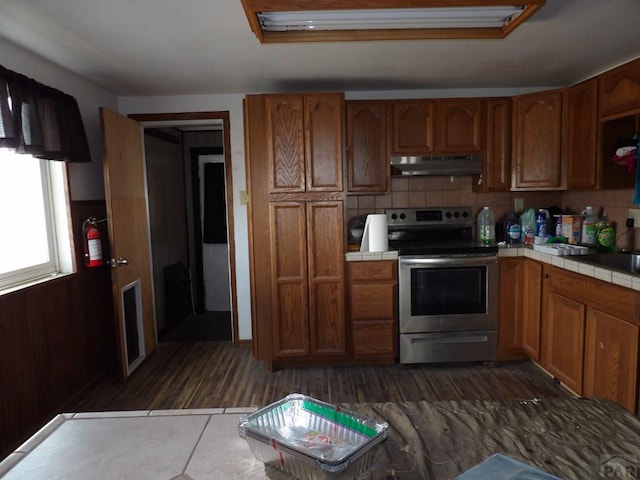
pixel 546 275
pixel 601 346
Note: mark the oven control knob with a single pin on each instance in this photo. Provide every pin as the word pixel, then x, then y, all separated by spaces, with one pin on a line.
pixel 402 216
pixel 447 215
pixel 465 214
pixel 394 216
pixel 456 214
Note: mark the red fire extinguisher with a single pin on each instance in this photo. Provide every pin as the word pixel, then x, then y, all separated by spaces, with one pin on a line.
pixel 92 243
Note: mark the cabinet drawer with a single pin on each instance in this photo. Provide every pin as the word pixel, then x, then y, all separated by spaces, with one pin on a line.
pixel 373 301
pixel 618 301
pixel 374 338
pixel 372 271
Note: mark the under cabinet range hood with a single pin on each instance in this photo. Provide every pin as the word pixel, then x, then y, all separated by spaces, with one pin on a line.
pixel 437 165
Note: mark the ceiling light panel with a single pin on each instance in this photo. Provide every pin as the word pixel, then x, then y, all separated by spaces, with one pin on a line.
pixel 406 18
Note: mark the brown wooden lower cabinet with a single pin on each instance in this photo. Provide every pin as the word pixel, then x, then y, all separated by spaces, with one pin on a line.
pixel 611 359
pixel 590 335
pixel 563 342
pixel 511 309
pixel 532 308
pixel 373 309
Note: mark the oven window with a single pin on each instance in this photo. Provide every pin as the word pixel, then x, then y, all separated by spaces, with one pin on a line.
pixel 448 290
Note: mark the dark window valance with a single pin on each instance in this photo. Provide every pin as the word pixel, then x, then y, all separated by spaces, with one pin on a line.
pixel 40 120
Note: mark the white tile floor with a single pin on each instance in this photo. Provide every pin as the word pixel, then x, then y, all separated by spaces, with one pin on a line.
pixel 154 445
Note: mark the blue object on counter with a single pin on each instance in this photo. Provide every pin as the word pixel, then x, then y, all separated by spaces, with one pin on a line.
pixel 501 467
pixel 541 223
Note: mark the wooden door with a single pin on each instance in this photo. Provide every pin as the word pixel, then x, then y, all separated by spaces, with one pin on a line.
pixel 564 340
pixel 325 244
pixel 538 141
pixel 367 147
pixel 324 144
pixel 412 128
pixel 611 359
pixel 285 143
pixel 496 170
pixel 460 126
pixel 581 135
pixel 511 309
pixel 288 247
pixel 129 237
pixel 531 308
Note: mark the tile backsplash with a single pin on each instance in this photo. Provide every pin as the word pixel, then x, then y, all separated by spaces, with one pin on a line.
pixel 419 191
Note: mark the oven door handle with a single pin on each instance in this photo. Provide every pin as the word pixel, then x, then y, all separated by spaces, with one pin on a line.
pixel 450 260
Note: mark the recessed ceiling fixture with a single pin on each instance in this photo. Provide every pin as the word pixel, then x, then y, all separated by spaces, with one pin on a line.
pixel 332 20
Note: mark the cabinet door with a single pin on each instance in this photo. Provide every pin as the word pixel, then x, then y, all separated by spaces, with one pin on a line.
pixel 611 359
pixel 537 137
pixel 496 170
pixel 323 114
pixel 413 123
pixel 531 309
pixel 460 126
pixel 564 340
pixel 289 279
pixel 620 89
pixel 367 150
pixel 325 243
pixel 581 135
pixel 285 143
pixel 511 291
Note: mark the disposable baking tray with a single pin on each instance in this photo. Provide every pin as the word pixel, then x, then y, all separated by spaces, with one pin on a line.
pixel 311 439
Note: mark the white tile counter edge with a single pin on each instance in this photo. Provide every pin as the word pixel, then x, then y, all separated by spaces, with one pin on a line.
pixel 604 274
pixel 367 256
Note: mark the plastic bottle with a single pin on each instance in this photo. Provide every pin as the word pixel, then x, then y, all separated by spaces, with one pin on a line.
pixel 486 226
pixel 605 239
pixel 528 225
pixel 541 223
pixel 512 229
pixel 588 231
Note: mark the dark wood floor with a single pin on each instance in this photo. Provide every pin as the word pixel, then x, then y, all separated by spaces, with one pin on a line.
pixel 218 374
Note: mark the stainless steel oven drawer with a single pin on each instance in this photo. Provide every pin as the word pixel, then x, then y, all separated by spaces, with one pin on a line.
pixel 448 347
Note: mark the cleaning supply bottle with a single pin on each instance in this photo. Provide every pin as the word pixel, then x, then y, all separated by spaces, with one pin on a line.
pixel 605 237
pixel 512 229
pixel 588 232
pixel 528 226
pixel 486 226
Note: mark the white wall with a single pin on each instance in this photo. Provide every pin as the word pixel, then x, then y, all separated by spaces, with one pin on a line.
pixel 86 179
pixel 216 103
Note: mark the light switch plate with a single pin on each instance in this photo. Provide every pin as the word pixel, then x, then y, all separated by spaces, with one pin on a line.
pixel 518 205
pixel 635 214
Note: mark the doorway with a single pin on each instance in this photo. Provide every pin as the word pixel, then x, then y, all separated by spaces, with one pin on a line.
pixel 183 259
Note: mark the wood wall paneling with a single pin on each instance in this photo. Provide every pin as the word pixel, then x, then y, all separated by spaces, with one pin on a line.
pixel 56 338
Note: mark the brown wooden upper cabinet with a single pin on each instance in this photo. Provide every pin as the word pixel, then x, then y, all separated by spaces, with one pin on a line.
pixel 428 127
pixel 496 168
pixel 537 134
pixel 581 135
pixel 304 142
pixel 367 146
pixel 620 90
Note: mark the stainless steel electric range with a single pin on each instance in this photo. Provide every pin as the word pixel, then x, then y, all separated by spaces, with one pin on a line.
pixel 448 283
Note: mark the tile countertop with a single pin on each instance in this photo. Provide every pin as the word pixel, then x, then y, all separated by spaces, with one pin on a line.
pixel 567 262
pixel 572 263
pixel 156 445
pixel 368 256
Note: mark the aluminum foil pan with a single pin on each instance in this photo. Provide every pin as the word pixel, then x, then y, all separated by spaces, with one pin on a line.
pixel 311 439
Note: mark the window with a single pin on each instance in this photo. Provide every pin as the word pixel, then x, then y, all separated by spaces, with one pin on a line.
pixel 35 235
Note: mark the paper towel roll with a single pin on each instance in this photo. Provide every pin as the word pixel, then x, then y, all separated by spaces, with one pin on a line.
pixel 375 237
